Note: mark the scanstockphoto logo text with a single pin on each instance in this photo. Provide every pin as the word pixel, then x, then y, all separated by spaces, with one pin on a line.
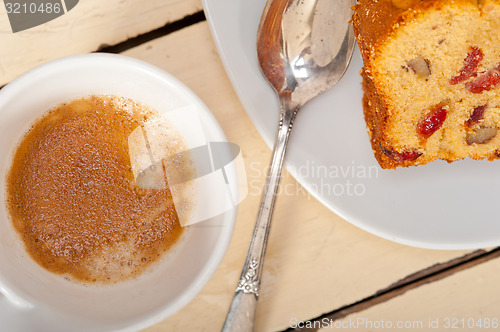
pixel 325 180
pixel 27 14
pixel 359 323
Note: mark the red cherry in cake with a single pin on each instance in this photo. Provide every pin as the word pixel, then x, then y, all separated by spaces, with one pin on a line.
pixel 485 82
pixel 476 116
pixel 471 63
pixel 431 122
pixel 399 157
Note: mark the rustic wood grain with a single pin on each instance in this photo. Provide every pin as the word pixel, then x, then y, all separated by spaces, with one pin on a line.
pixel 429 275
pixel 92 24
pixel 464 298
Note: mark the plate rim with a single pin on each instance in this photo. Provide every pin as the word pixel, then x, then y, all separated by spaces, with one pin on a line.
pixel 341 212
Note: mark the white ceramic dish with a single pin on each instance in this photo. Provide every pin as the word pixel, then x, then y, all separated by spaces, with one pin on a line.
pixel 440 205
pixel 59 305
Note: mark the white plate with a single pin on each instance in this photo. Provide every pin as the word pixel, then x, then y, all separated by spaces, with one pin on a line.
pixel 439 205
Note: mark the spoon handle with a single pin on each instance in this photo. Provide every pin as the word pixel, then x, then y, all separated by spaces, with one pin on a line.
pixel 241 315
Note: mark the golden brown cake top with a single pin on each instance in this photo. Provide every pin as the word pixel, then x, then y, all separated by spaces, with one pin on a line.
pixel 374 20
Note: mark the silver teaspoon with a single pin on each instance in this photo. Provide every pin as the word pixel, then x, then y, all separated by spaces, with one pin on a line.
pixel 304 48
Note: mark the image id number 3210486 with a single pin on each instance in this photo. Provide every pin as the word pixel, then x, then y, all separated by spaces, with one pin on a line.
pixel 471 323
pixel 32 8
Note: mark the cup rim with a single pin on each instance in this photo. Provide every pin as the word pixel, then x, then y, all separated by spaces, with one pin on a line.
pixel 216 256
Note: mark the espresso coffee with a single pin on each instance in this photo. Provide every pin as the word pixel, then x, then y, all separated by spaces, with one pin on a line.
pixel 73 199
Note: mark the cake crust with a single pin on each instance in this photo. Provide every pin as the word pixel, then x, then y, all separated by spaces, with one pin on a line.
pixel 377 25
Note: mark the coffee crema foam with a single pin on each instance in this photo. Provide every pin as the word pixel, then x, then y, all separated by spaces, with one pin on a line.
pixel 73 199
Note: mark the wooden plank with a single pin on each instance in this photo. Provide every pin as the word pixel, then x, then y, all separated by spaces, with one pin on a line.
pixel 316 262
pixel 87 27
pixel 431 274
pixel 466 300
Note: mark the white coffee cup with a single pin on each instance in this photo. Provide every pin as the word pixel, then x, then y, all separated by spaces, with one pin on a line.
pixel 36 299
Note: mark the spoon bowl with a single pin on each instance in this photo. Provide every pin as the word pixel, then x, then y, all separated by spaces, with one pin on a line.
pixel 304 47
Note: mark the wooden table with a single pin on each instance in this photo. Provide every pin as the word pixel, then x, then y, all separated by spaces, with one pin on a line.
pixel 320 271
